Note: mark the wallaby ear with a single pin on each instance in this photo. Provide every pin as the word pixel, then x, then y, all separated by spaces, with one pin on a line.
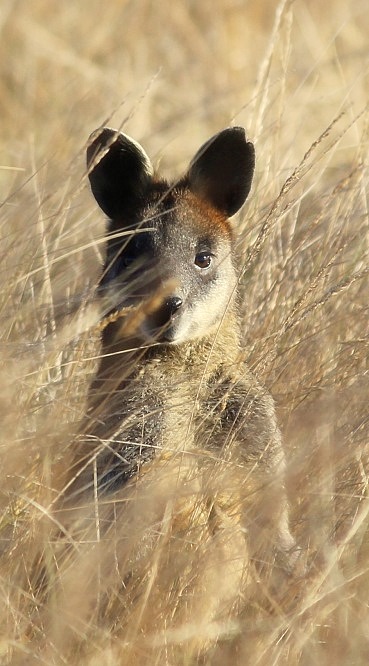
pixel 119 170
pixel 221 171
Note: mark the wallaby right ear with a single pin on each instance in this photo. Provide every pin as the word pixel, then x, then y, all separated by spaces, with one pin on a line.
pixel 119 170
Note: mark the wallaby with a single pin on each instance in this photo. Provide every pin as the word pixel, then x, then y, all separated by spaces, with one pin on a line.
pixel 172 382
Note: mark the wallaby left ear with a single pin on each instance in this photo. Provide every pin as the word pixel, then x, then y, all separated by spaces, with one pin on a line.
pixel 221 171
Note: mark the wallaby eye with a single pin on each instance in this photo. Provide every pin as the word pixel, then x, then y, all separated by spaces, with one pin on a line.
pixel 127 260
pixel 131 253
pixel 203 259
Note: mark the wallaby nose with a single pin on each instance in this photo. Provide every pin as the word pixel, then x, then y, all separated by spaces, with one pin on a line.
pixel 168 308
pixel 173 304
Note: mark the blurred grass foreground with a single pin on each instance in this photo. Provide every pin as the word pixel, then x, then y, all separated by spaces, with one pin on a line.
pixel 295 75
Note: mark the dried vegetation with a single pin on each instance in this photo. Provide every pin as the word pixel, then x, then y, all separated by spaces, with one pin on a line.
pixel 295 74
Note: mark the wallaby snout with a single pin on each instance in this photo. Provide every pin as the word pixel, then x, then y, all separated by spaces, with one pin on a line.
pixel 168 309
pixel 162 318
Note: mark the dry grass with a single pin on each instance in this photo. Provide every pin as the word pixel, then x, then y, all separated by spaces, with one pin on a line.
pixel 296 76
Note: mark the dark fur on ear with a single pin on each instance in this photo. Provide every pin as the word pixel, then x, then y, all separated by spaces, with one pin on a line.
pixel 221 171
pixel 120 172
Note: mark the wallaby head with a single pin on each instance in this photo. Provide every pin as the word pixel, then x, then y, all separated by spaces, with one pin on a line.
pixel 175 234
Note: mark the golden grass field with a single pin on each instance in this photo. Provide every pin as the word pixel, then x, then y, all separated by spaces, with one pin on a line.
pixel 295 75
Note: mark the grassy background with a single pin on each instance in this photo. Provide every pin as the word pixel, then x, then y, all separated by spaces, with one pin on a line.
pixel 171 74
